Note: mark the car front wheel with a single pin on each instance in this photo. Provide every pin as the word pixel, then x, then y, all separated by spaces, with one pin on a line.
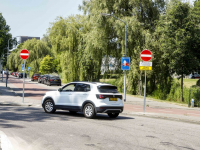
pixel 49 106
pixel 113 115
pixel 89 111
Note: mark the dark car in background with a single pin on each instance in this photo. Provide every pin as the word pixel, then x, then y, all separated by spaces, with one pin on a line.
pixel 53 80
pixel 40 78
pixel 20 75
pixel 35 76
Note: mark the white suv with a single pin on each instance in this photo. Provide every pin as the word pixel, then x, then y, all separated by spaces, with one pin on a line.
pixel 87 97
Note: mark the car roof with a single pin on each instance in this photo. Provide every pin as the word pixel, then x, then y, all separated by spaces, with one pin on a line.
pixel 95 83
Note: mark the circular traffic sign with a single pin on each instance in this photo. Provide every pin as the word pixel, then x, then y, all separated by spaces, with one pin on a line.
pixel 24 54
pixel 146 55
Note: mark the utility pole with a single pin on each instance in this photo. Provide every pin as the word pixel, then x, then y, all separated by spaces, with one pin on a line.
pixel 103 14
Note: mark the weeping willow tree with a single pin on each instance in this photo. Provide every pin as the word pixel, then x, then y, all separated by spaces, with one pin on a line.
pixel 106 36
pixel 37 50
pixel 77 58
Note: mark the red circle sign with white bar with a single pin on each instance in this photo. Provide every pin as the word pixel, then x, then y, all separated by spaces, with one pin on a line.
pixel 24 54
pixel 146 55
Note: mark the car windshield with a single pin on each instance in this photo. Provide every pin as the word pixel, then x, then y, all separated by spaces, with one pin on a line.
pixel 36 75
pixel 107 89
pixel 55 77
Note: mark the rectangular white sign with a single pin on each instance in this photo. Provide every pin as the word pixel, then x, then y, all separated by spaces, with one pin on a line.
pixel 145 63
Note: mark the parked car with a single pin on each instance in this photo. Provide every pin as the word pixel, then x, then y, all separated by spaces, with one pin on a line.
pixel 194 75
pixel 6 73
pixel 40 78
pixel 44 78
pixel 16 74
pixel 20 75
pixel 87 97
pixel 53 80
pixel 35 76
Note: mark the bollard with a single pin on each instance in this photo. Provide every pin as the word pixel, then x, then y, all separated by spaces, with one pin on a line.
pixel 192 103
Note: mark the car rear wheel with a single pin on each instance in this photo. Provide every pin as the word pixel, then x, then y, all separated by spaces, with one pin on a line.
pixel 49 106
pixel 89 111
pixel 113 115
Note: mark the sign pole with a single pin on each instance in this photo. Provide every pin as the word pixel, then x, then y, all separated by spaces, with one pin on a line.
pixel 125 65
pixel 23 80
pixel 144 93
pixel 24 54
pixel 124 85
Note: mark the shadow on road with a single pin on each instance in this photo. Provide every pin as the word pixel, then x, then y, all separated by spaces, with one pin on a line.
pixel 32 114
pixel 32 89
pixel 98 116
pixel 6 92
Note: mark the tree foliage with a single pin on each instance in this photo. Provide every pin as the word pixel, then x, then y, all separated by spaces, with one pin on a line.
pixel 37 50
pixel 46 65
pixel 76 45
pixel 5 37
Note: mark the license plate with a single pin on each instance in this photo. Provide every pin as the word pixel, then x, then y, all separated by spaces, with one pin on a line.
pixel 55 80
pixel 113 99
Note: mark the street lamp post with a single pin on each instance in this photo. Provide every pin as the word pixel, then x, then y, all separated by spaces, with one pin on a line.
pixel 7 64
pixel 2 64
pixel 104 14
pixel 0 68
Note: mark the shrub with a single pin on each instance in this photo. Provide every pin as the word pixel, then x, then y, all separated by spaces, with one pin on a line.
pixel 175 94
pixel 198 82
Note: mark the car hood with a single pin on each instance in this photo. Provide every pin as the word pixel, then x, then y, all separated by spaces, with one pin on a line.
pixel 51 93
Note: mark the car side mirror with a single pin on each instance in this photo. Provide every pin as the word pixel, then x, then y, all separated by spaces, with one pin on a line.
pixel 60 89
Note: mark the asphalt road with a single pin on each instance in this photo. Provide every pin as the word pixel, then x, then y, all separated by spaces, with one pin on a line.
pixel 29 128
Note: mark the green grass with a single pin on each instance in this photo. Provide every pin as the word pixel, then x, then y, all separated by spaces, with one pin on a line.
pixel 106 80
pixel 188 82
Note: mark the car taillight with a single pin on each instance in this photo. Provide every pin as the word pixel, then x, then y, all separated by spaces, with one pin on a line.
pixel 101 96
pixel 51 79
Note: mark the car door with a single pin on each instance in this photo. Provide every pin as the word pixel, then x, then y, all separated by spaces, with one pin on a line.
pixel 65 97
pixel 80 94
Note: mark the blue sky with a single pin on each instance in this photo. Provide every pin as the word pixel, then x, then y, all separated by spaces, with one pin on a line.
pixel 33 17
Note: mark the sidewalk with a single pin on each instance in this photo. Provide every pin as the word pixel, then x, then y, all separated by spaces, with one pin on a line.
pixel 10 98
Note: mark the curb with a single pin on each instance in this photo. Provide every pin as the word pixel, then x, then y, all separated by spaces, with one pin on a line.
pixel 15 104
pixel 186 119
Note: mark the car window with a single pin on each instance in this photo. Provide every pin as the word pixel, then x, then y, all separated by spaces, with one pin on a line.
pixel 55 77
pixel 69 87
pixel 107 89
pixel 82 88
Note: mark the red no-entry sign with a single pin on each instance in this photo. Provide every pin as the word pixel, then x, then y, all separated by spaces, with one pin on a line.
pixel 24 54
pixel 146 55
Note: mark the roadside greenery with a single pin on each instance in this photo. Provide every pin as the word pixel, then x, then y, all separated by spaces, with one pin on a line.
pixel 75 46
pixel 4 38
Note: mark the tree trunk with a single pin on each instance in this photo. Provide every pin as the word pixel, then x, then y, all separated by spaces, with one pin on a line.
pixel 181 88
